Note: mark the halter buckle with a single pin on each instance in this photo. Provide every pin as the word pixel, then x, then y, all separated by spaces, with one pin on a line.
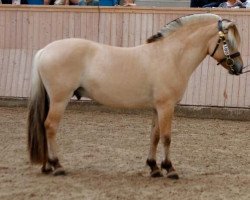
pixel 221 34
pixel 230 62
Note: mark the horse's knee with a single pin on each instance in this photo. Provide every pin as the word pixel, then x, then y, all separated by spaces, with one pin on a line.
pixel 156 139
pixel 166 139
pixel 155 131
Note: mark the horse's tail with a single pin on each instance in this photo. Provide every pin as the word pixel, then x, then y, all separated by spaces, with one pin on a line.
pixel 38 110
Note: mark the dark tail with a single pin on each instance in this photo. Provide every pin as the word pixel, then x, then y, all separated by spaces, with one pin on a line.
pixel 38 110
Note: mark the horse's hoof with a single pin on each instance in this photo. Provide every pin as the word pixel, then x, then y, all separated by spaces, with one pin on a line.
pixel 59 172
pixel 156 174
pixel 46 170
pixel 173 175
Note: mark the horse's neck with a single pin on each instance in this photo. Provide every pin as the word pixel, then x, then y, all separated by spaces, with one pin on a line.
pixel 193 48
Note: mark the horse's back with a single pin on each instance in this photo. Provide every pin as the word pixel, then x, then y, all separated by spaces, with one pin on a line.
pixel 110 75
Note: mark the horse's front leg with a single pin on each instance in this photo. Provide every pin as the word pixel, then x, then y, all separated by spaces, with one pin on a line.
pixel 154 140
pixel 165 116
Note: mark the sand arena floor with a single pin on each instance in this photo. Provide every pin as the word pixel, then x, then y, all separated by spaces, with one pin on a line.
pixel 104 153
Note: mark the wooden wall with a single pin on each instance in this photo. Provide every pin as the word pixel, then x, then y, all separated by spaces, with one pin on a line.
pixel 25 29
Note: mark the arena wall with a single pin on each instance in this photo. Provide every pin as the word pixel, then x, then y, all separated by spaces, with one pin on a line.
pixel 25 29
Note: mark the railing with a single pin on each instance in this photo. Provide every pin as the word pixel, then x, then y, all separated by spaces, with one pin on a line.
pixel 25 29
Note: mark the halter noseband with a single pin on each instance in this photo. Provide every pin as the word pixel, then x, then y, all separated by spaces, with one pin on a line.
pixel 228 57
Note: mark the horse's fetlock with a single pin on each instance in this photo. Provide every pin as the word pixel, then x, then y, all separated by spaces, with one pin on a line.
pixel 46 169
pixel 53 161
pixel 167 165
pixel 151 162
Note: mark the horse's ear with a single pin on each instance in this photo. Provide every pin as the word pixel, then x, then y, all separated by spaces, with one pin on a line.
pixel 226 25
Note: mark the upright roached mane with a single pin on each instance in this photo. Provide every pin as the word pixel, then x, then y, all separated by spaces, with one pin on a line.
pixel 150 75
pixel 233 35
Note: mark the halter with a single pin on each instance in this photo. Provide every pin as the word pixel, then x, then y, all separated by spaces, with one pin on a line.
pixel 228 57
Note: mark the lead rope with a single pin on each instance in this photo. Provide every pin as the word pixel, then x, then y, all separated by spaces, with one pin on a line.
pixel 245 72
pixel 245 68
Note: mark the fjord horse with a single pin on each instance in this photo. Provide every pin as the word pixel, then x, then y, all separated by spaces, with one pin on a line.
pixel 154 74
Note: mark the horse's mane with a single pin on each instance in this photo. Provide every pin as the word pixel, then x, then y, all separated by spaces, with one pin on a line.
pixel 178 23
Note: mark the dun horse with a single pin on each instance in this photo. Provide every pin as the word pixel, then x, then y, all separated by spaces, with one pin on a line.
pixel 154 75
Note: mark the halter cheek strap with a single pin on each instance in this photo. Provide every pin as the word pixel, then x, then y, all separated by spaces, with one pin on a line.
pixel 216 47
pixel 220 28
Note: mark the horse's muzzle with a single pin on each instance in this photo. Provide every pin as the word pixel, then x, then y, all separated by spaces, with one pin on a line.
pixel 236 69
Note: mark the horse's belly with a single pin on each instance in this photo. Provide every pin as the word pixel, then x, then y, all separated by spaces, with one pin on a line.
pixel 123 102
pixel 116 95
pixel 123 99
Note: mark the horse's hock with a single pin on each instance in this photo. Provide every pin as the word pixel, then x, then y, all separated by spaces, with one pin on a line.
pixel 25 29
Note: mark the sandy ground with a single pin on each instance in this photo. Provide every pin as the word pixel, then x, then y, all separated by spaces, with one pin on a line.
pixel 104 154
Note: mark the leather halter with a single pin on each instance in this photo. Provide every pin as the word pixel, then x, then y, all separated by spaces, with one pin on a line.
pixel 228 57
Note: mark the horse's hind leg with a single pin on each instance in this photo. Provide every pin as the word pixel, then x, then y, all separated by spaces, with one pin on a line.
pixel 52 121
pixel 154 140
pixel 165 115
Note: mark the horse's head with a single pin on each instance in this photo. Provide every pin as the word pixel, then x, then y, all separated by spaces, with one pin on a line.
pixel 226 50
